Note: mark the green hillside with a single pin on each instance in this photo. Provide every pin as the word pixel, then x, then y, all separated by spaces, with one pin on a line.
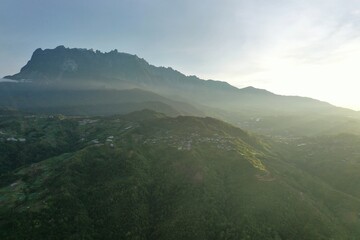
pixel 334 158
pixel 148 176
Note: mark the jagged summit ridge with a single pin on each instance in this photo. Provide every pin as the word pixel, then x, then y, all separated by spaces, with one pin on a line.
pixel 64 64
pixel 78 68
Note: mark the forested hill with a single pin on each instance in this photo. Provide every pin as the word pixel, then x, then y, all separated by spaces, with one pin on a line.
pixel 149 176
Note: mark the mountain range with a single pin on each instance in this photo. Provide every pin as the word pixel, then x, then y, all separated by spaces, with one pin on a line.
pixel 88 82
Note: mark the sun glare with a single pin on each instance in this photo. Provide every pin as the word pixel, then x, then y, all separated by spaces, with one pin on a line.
pixel 334 78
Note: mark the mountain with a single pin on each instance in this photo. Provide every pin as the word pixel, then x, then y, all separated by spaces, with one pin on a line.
pixel 148 176
pixel 73 72
pixel 74 66
pixel 92 69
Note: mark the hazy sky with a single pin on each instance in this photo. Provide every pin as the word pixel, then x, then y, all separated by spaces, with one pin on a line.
pixel 293 47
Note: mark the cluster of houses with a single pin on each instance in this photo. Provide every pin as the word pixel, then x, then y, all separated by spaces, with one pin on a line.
pixel 109 140
pixel 185 143
pixel 84 122
pixel 11 139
